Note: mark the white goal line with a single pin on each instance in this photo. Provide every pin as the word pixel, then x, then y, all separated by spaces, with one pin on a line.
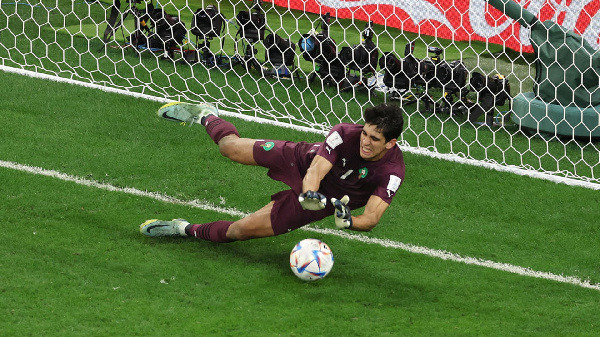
pixel 200 204
pixel 414 150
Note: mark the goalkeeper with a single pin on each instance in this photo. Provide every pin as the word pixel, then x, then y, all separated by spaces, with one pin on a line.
pixel 357 165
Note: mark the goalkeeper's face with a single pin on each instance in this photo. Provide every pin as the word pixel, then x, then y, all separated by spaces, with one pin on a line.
pixel 373 145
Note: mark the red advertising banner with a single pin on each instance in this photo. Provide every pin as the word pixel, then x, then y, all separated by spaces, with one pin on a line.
pixel 462 20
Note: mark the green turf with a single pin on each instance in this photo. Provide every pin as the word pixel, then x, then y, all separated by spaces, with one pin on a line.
pixel 74 263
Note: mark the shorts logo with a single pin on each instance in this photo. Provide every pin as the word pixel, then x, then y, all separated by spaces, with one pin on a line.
pixel 268 146
pixel 362 173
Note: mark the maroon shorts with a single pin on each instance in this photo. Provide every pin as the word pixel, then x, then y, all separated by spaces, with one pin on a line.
pixel 287 162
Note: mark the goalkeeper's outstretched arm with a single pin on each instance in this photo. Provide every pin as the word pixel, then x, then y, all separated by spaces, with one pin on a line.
pixel 309 198
pixel 319 167
pixel 370 218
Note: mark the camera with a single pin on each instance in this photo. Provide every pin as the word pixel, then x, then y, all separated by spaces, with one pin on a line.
pixel 362 57
pixel 207 23
pixel 139 37
pixel 322 50
pixel 318 47
pixel 435 72
pixel 157 30
pixel 497 86
pixel 397 73
pixel 493 91
pixel 170 31
pixel 424 74
pixel 280 53
pixel 252 23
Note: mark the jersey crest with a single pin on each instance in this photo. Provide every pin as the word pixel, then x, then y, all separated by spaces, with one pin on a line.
pixel 362 173
pixel 267 146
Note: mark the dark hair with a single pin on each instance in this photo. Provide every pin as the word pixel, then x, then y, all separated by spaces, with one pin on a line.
pixel 388 118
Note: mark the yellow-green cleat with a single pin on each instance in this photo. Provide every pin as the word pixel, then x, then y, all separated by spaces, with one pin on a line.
pixel 186 113
pixel 155 227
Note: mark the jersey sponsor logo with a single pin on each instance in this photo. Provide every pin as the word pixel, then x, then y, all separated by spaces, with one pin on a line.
pixel 393 185
pixel 334 140
pixel 362 173
pixel 268 146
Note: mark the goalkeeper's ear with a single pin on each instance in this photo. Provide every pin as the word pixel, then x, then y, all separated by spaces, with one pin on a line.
pixel 391 143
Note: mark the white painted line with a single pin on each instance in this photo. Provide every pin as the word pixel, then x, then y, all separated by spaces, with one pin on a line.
pixel 444 255
pixel 440 254
pixel 91 183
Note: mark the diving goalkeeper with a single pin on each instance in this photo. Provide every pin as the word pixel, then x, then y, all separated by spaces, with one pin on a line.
pixel 357 165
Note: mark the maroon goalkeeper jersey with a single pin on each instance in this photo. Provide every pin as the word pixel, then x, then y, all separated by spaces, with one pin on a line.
pixel 351 175
pixel 354 176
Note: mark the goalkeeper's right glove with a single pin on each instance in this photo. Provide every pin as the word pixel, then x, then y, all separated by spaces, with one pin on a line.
pixel 343 218
pixel 313 201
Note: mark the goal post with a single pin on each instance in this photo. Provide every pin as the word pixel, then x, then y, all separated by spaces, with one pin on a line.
pixel 462 70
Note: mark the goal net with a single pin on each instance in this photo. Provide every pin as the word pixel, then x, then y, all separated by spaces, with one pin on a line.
pixel 468 74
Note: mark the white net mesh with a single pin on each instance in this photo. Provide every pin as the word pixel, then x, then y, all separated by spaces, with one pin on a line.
pixel 461 69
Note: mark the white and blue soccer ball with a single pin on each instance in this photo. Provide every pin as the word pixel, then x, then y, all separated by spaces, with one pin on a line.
pixel 311 259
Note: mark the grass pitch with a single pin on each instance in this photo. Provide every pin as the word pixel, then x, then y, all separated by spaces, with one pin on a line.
pixel 74 263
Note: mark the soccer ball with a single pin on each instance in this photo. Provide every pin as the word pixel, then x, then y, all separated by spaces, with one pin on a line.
pixel 311 259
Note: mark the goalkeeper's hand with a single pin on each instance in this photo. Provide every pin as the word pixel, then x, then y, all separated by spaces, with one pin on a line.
pixel 343 218
pixel 311 200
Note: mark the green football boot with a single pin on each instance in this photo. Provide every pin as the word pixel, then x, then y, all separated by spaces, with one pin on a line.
pixel 154 227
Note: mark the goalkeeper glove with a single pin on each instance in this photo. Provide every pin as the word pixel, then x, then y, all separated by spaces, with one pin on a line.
pixel 343 218
pixel 311 200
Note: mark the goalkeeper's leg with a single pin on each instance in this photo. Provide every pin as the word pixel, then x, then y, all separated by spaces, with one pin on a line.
pixel 282 215
pixel 255 225
pixel 225 134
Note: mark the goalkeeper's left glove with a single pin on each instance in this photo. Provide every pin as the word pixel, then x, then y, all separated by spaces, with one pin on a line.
pixel 311 200
pixel 343 218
